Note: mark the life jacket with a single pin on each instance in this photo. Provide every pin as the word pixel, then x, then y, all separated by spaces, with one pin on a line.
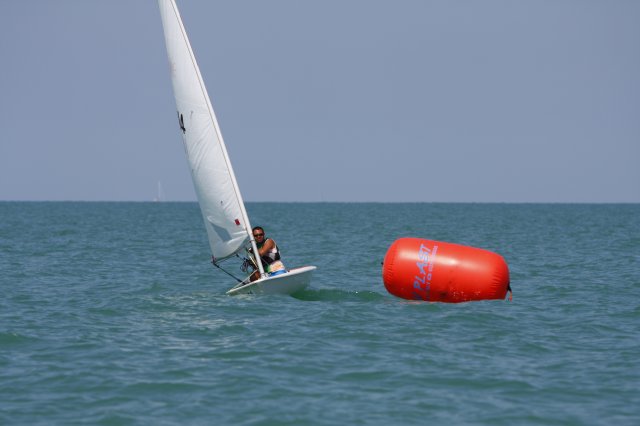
pixel 271 257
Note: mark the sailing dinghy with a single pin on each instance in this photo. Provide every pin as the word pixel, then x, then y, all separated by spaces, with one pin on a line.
pixel 223 211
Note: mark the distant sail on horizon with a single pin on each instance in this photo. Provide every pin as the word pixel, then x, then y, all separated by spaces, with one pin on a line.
pixel 160 197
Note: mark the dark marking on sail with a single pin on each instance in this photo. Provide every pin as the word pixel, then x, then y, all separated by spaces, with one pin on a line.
pixel 181 122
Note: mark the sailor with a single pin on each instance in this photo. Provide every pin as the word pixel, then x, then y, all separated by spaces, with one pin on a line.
pixel 269 255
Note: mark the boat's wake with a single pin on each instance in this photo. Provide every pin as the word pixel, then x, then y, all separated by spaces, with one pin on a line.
pixel 338 295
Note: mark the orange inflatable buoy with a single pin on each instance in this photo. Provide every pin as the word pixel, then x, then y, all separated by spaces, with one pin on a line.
pixel 418 269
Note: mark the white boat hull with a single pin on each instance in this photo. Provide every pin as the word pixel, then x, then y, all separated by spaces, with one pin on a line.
pixel 292 282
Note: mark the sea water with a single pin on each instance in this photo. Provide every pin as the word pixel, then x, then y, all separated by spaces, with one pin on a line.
pixel 110 313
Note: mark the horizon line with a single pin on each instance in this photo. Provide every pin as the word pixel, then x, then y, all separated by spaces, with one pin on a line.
pixel 325 202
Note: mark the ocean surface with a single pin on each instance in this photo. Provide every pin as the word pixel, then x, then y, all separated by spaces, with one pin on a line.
pixel 111 314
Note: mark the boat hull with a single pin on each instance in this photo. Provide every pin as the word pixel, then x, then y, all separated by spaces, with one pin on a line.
pixel 292 282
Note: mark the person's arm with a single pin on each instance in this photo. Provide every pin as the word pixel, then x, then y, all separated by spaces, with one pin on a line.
pixel 267 246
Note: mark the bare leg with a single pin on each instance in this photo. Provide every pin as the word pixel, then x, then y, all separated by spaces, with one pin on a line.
pixel 255 276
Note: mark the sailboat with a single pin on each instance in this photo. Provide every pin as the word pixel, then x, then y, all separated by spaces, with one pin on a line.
pixel 160 197
pixel 223 210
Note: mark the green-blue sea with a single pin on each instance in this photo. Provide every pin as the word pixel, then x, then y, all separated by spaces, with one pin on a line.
pixel 111 314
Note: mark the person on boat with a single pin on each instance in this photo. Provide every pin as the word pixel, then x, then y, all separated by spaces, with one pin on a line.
pixel 269 255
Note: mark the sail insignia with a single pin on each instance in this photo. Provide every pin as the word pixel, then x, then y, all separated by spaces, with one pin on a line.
pixel 181 122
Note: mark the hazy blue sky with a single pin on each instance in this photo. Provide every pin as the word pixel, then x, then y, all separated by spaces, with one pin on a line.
pixel 333 100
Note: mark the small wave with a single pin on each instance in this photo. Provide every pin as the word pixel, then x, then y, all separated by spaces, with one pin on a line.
pixel 338 295
pixel 106 311
pixel 12 339
pixel 65 232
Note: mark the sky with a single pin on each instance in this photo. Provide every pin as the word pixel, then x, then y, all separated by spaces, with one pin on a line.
pixel 333 100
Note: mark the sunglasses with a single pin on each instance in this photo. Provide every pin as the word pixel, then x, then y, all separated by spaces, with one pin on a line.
pixel 258 235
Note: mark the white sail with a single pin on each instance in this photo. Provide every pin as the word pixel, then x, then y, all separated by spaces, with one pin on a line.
pixel 160 197
pixel 215 184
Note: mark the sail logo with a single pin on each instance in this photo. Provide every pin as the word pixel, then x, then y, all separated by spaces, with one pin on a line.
pixel 422 281
pixel 181 122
